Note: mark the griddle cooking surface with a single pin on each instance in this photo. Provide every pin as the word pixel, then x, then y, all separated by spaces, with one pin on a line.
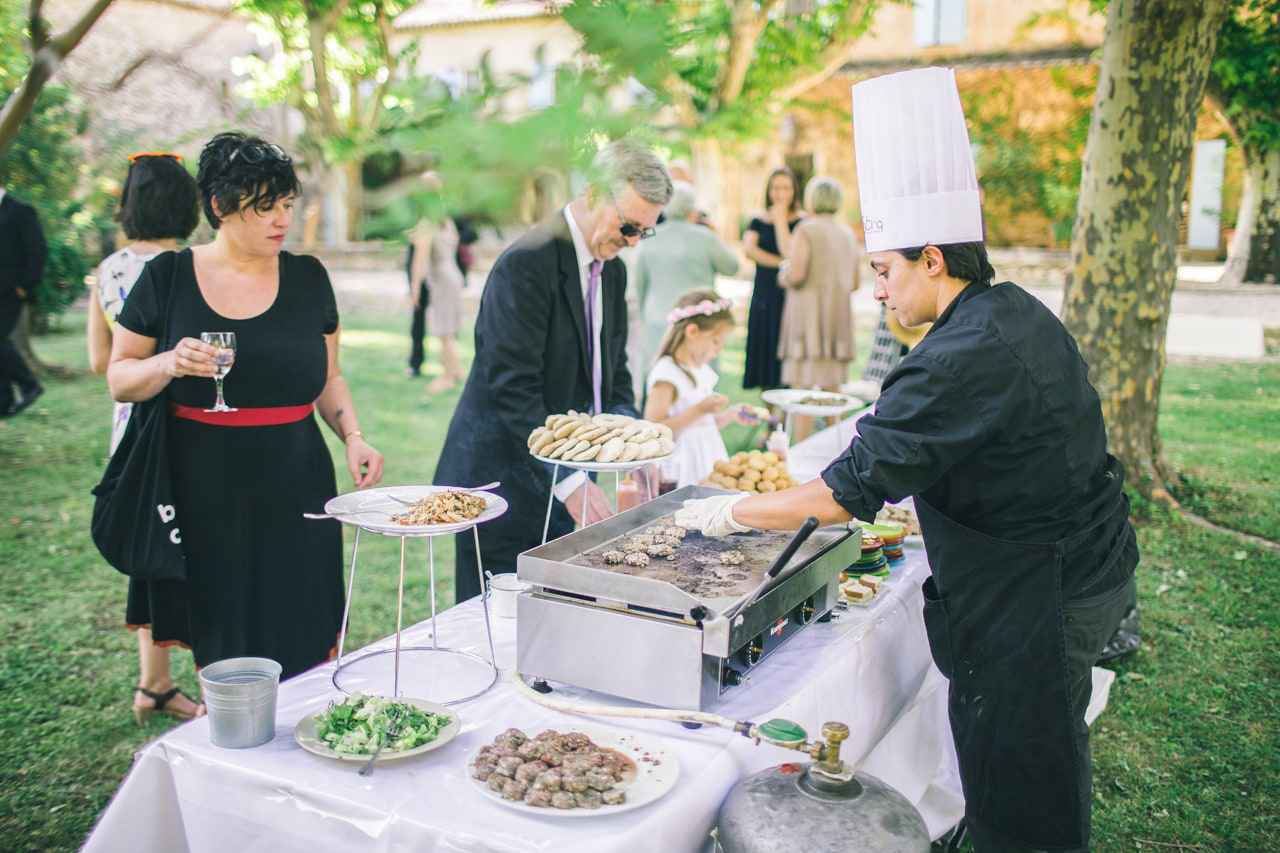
pixel 697 566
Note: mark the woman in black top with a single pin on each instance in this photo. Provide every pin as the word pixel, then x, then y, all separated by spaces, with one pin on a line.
pixel 261 580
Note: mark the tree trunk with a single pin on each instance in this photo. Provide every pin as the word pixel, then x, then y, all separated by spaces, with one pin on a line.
pixel 1264 239
pixel 1155 59
pixel 1241 245
pixel 354 177
pixel 708 171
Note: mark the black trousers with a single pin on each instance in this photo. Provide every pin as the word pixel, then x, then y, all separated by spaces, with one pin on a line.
pixel 418 329
pixel 13 367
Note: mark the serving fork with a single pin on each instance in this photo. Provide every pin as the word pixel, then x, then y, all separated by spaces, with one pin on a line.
pixel 395 723
pixel 486 487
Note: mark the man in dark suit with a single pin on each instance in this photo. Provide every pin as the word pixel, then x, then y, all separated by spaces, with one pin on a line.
pixel 537 355
pixel 22 256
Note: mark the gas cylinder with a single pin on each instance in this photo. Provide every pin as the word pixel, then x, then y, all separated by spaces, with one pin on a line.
pixel 819 807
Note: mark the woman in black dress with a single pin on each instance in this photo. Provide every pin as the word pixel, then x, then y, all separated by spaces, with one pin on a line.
pixel 261 580
pixel 767 241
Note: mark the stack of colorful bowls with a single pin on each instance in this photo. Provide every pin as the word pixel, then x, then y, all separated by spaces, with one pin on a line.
pixel 872 559
pixel 892 534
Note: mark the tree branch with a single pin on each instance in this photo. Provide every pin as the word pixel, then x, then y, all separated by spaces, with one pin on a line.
pixel 853 21
pixel 46 56
pixel 745 26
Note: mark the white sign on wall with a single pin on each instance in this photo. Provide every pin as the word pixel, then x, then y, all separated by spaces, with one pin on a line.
pixel 1204 218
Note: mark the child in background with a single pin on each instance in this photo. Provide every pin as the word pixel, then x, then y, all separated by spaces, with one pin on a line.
pixel 681 386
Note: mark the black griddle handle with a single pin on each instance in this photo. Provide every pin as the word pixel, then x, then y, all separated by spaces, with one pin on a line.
pixel 806 529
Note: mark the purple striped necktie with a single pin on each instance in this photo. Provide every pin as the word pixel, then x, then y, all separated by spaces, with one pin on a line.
pixel 593 284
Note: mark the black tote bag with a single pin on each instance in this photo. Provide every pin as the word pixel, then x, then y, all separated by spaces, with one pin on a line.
pixel 135 521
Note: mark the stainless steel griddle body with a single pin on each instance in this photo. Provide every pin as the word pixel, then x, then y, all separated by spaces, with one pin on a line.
pixel 638 634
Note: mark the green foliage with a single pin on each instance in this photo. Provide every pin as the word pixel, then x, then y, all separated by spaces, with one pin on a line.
pixel 1023 168
pixel 45 167
pixel 682 53
pixel 486 158
pixel 1245 74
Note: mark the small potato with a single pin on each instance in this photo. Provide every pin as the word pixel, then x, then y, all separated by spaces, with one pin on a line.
pixel 746 485
pixel 757 462
pixel 771 457
pixel 766 486
pixel 770 473
pixel 751 474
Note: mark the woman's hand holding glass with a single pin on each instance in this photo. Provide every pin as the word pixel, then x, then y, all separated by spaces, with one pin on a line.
pixel 224 355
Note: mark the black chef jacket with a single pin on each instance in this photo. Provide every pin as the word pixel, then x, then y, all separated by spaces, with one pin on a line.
pixel 991 420
pixel 991 424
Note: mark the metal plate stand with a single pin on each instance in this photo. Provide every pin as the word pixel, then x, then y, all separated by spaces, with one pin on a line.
pixel 458 669
pixel 651 488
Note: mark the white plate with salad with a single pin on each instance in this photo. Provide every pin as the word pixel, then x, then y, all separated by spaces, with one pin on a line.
pixel 350 730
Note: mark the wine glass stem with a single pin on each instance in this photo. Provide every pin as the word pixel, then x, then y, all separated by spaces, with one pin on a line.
pixel 218 381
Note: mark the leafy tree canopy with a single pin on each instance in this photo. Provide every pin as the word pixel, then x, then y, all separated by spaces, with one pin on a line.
pixel 1245 75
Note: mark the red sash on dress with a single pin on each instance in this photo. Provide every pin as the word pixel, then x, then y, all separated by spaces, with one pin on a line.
pixel 268 416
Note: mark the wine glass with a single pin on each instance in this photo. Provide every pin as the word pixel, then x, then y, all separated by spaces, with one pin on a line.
pixel 226 342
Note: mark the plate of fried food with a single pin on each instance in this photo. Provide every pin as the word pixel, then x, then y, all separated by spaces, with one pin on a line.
pixel 579 771
pixel 604 442
pixel 416 510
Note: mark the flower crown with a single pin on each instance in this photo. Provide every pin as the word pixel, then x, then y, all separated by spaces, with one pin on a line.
pixel 706 306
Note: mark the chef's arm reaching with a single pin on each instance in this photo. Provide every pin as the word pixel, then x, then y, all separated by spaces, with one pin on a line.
pixel 784 510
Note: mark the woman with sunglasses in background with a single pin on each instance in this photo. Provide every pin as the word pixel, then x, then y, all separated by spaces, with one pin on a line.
pixel 260 579
pixel 159 206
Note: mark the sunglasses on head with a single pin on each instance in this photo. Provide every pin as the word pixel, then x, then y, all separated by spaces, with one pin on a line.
pixel 256 152
pixel 629 228
pixel 133 158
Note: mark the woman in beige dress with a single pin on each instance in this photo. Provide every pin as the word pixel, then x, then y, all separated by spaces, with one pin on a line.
pixel 816 344
pixel 435 258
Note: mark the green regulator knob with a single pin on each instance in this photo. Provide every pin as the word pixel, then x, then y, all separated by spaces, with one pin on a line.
pixel 784 732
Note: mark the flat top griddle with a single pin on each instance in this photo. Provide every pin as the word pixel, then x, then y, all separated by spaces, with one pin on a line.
pixel 697 565
pixel 575 563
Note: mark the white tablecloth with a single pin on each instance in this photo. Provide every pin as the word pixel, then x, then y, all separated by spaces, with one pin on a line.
pixel 869 668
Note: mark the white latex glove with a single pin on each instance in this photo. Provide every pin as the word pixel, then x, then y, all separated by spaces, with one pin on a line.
pixel 711 516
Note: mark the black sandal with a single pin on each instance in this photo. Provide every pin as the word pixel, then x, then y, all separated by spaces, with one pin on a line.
pixel 141 715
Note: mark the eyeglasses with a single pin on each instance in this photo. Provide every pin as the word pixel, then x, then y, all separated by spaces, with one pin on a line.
pixel 256 152
pixel 629 228
pixel 133 158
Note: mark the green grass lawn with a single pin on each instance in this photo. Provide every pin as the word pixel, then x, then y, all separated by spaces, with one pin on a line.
pixel 1186 755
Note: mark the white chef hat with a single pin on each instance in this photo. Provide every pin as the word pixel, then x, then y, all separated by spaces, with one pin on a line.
pixel 916 181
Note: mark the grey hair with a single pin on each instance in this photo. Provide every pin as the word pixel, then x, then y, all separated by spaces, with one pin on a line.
pixel 629 162
pixel 684 200
pixel 823 195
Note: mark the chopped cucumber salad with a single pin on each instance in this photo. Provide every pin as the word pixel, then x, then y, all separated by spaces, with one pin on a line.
pixel 358 724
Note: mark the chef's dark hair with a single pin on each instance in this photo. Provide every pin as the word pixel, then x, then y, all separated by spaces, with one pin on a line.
pixel 238 171
pixel 965 261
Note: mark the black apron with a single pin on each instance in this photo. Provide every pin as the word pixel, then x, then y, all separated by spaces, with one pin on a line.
pixel 994 615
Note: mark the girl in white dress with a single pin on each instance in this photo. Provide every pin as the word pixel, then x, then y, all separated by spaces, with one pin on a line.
pixel 681 386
